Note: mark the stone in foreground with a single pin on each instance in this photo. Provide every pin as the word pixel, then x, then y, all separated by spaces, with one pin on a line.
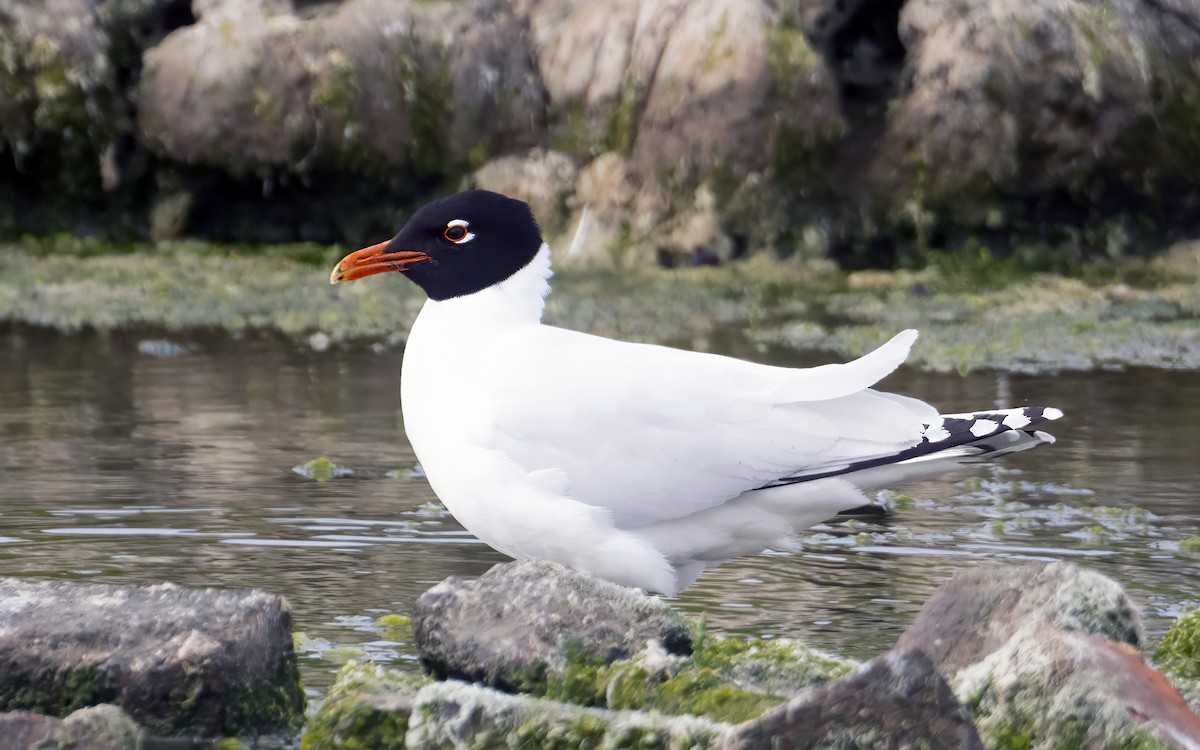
pixel 454 714
pixel 102 727
pixel 196 662
pixel 895 700
pixel 522 622
pixel 1046 656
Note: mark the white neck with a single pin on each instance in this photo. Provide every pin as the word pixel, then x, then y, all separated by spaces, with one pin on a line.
pixel 519 299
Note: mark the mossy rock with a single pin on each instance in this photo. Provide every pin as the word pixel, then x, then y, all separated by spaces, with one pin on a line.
pixel 367 708
pixel 1178 653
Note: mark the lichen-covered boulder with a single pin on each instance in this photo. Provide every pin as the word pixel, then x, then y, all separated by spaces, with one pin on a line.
pixel 455 714
pixel 371 87
pixel 1046 655
pixel 367 707
pixel 199 662
pixel 523 623
pixel 1038 100
pixel 102 727
pixel 895 700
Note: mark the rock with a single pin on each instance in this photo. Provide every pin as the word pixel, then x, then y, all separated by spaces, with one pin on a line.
pixel 523 623
pixel 1047 654
pixel 1015 99
pixel 371 87
pixel 1178 656
pixel 543 178
pixel 1051 688
pixel 980 609
pixel 200 662
pixel 681 106
pixel 102 727
pixel 368 706
pixel 454 714
pixel 895 700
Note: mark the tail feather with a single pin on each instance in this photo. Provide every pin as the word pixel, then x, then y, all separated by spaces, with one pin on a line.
pixel 948 439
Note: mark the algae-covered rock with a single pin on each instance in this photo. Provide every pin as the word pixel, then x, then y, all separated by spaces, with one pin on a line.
pixel 454 714
pixel 895 700
pixel 1179 651
pixel 526 622
pixel 367 707
pixel 103 727
pixel 197 662
pixel 1178 656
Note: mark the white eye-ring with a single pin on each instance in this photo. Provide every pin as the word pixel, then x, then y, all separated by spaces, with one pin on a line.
pixel 457 232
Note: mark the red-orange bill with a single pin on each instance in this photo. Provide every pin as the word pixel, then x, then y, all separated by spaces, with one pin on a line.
pixel 372 260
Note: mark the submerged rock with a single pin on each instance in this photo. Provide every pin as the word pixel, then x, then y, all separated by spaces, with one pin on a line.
pixel 103 727
pixel 523 623
pixel 895 700
pixel 1046 655
pixel 180 661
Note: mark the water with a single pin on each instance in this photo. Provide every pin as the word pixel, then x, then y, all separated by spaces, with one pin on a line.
pixel 140 458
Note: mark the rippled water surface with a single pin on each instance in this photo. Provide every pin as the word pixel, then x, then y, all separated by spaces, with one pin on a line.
pixel 132 459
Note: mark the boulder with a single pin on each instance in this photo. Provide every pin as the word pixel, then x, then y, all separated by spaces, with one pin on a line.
pixel 1009 99
pixel 1047 654
pixel 102 727
pixel 201 662
pixel 980 609
pixel 543 178
pixel 370 87
pixel 522 623
pixel 455 714
pixel 895 700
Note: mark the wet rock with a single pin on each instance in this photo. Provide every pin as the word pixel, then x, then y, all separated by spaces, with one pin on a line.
pixel 368 706
pixel 980 609
pixel 370 87
pixel 454 714
pixel 103 727
pixel 1012 98
pixel 524 623
pixel 895 700
pixel 179 661
pixel 1047 654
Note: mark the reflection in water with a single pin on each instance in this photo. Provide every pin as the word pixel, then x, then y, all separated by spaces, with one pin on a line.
pixel 121 465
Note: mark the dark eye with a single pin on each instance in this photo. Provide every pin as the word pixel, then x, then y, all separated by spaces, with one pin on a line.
pixel 457 232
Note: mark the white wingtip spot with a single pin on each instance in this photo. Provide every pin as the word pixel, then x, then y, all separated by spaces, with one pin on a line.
pixel 1016 420
pixel 1045 437
pixel 1052 413
pixel 984 427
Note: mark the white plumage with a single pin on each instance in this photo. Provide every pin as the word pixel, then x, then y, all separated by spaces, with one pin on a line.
pixel 639 464
pixel 636 463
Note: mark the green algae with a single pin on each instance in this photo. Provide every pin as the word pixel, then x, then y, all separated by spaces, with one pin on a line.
pixel 368 707
pixel 1142 315
pixel 1178 654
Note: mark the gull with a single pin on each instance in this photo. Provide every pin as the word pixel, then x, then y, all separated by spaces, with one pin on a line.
pixel 635 463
